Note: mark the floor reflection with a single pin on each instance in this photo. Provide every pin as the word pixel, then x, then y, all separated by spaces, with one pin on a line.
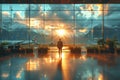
pixel 12 69
pixel 89 70
pixel 41 68
pixel 52 67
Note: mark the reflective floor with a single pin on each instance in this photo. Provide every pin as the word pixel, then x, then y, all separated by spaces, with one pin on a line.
pixel 68 66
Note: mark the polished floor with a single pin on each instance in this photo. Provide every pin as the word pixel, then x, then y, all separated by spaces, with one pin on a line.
pixel 68 66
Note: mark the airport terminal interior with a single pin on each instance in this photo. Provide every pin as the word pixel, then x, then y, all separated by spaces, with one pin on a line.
pixel 29 34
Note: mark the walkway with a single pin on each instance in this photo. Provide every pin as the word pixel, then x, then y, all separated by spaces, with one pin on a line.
pixel 51 67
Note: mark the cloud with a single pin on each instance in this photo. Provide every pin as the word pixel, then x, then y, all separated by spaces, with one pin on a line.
pixel 63 12
pixel 112 18
pixel 34 11
pixel 83 17
pixel 17 15
pixel 6 17
pixel 6 13
pixel 48 17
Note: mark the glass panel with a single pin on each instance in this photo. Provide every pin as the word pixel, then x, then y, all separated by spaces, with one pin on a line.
pixel 114 7
pixel 82 21
pixel 60 15
pixel 112 23
pixel 14 6
pixel 59 7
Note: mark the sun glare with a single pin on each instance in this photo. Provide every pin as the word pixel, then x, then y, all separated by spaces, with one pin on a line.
pixel 100 77
pixel 61 32
pixel 83 30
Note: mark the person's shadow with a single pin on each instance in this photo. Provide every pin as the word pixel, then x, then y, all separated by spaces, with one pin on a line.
pixel 59 73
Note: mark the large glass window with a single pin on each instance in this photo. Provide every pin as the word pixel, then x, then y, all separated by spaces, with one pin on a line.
pixel 80 23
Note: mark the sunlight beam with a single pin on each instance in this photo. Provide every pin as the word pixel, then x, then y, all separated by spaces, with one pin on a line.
pixel 61 32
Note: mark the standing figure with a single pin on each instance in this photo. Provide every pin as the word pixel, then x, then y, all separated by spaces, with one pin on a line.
pixel 60 45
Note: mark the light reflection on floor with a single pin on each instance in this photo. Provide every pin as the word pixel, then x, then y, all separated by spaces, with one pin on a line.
pixel 53 67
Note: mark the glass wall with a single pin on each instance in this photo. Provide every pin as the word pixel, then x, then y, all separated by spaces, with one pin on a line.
pixel 46 23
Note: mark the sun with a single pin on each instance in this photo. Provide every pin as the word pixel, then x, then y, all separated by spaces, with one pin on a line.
pixel 61 32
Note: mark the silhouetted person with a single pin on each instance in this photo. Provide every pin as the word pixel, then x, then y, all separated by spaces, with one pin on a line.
pixel 60 45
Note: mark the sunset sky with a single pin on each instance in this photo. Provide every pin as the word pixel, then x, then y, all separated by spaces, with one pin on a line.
pixel 47 17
